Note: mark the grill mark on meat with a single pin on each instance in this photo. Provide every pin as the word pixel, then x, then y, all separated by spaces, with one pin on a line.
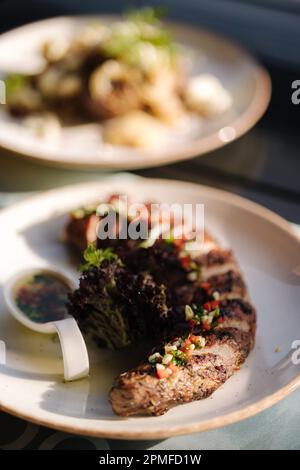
pixel 216 262
pixel 238 324
pixel 215 257
pixel 237 305
pixel 218 270
pixel 239 314
pixel 228 284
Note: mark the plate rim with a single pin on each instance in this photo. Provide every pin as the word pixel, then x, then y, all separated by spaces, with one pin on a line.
pixel 196 148
pixel 176 430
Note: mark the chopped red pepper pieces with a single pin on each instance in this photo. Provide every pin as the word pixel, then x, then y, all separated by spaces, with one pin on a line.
pixel 178 242
pixel 185 347
pixel 205 285
pixel 113 197
pixel 192 323
pixel 214 304
pixel 163 373
pixel 173 368
pixel 185 261
pixel 207 306
pixel 206 326
pixel 194 339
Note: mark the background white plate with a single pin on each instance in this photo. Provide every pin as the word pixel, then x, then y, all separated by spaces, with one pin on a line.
pixel 31 383
pixel 81 146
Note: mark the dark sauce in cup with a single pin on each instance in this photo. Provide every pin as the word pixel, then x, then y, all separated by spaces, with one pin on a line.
pixel 42 297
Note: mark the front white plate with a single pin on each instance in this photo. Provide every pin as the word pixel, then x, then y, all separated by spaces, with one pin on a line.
pixel 30 382
pixel 81 146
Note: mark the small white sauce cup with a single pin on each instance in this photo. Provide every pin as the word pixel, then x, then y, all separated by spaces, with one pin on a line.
pixel 74 351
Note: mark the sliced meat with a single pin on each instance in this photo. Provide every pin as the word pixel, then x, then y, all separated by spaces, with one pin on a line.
pixel 230 285
pixel 141 392
pixel 215 262
pixel 229 342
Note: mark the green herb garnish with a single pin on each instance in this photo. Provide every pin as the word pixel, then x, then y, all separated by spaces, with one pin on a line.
pixel 142 27
pixel 179 358
pixel 94 257
pixel 151 15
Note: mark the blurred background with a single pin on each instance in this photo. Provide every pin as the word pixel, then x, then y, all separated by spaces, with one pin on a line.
pixel 263 165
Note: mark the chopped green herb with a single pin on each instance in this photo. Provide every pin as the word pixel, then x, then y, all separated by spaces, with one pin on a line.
pixel 149 15
pixel 179 358
pixel 203 315
pixel 141 27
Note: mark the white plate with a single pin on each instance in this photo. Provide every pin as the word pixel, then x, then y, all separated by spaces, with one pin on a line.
pixel 81 146
pixel 269 253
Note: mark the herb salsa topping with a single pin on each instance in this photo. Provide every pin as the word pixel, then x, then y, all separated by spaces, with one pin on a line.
pixel 42 297
pixel 175 354
pixel 207 315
